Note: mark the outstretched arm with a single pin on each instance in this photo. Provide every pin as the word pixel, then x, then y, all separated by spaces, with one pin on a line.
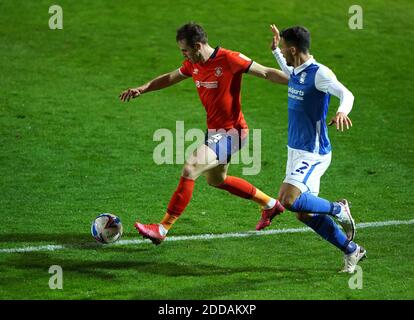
pixel 277 53
pixel 158 83
pixel 270 74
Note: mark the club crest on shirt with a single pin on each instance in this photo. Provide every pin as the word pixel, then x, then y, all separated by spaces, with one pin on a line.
pixel 302 77
pixel 218 71
pixel 195 71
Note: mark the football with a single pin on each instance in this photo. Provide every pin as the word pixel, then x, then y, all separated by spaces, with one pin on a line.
pixel 107 228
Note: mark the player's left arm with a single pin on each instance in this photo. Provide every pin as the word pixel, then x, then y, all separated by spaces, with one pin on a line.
pixel 325 80
pixel 270 74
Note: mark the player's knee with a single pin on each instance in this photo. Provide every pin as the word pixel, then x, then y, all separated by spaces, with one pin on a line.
pixel 214 181
pixel 287 200
pixel 189 171
pixel 303 217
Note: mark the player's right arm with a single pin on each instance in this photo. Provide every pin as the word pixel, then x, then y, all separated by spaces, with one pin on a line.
pixel 270 74
pixel 161 82
pixel 277 53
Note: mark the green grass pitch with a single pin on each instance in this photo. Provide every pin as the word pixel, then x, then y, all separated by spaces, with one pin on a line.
pixel 70 150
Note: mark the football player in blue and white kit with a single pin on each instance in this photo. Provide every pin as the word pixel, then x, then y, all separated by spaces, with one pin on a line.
pixel 311 85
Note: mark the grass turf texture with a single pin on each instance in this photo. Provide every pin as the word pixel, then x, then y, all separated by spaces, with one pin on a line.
pixel 71 150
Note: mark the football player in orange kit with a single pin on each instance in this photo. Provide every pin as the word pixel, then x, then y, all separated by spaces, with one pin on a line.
pixel 217 74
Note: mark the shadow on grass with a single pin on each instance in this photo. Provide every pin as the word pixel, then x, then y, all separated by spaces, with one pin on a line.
pixel 57 238
pixel 69 240
pixel 208 280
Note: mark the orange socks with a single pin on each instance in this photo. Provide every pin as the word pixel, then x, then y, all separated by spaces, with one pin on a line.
pixel 244 189
pixel 234 185
pixel 168 220
pixel 261 198
pixel 238 187
pixel 178 202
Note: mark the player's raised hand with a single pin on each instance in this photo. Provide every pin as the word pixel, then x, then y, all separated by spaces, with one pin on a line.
pixel 130 93
pixel 340 119
pixel 276 37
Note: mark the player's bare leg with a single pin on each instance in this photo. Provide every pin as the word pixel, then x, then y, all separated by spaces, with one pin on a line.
pixel 202 160
pixel 288 194
pixel 216 176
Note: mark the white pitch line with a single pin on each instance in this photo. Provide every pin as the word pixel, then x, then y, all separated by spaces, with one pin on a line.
pixel 211 236
pixel 32 249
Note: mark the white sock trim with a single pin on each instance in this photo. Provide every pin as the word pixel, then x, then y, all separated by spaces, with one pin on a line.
pixel 162 230
pixel 270 204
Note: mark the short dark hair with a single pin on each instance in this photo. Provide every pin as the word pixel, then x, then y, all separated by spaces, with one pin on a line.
pixel 191 33
pixel 298 37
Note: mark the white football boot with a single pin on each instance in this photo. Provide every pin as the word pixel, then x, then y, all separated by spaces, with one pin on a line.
pixel 345 219
pixel 351 260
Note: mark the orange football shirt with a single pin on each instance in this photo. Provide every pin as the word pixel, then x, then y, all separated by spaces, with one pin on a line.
pixel 218 82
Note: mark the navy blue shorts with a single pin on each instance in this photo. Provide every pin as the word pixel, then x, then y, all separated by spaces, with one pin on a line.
pixel 225 143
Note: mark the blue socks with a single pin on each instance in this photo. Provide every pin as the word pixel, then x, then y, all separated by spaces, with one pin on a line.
pixel 321 222
pixel 324 225
pixel 307 202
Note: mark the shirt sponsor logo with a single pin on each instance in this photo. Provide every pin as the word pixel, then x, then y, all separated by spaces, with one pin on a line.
pixel 207 84
pixel 295 94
